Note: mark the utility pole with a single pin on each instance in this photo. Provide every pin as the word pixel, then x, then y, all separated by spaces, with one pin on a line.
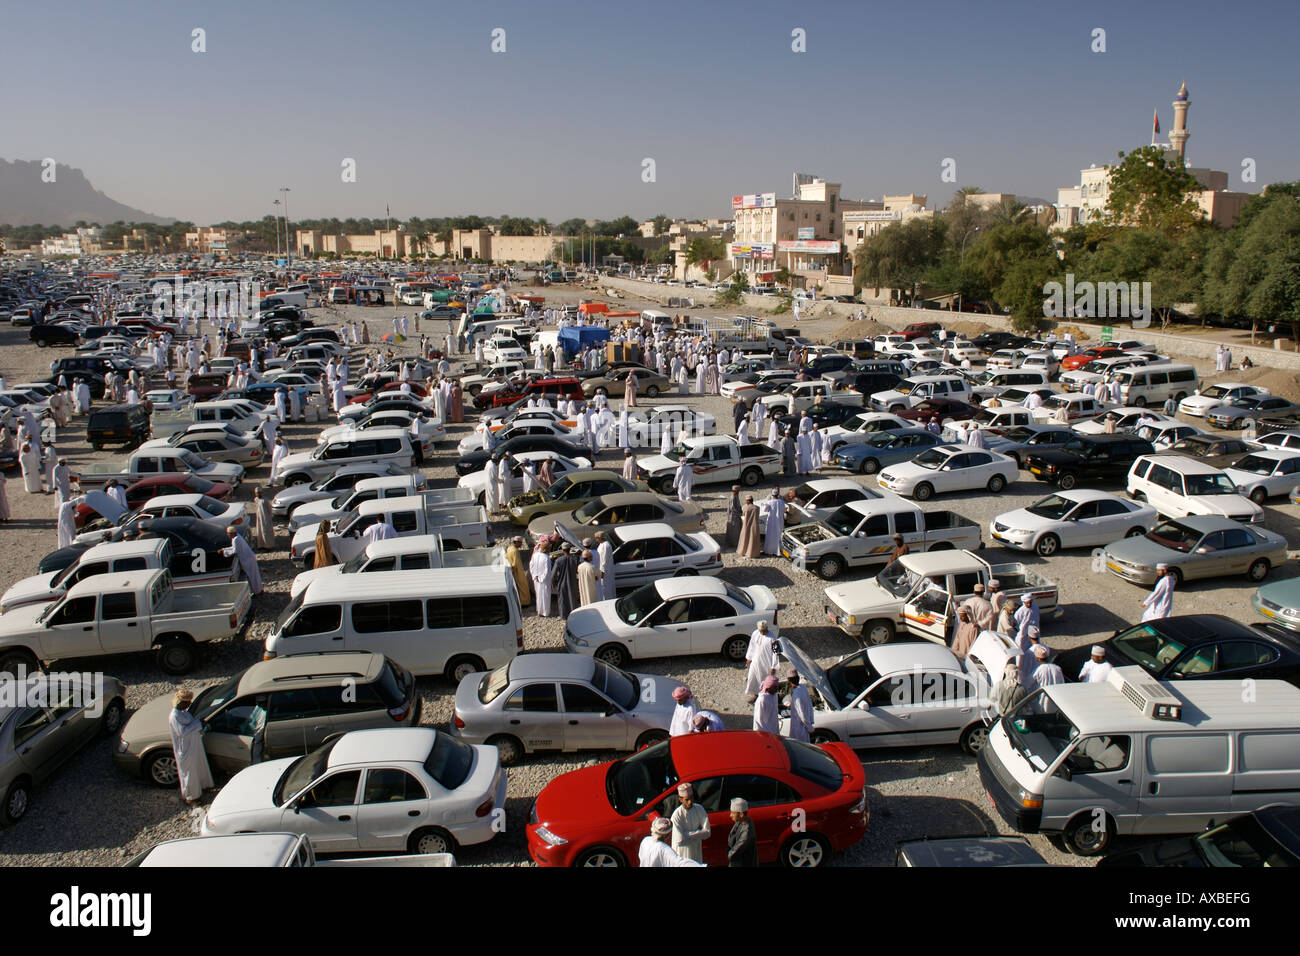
pixel 288 248
pixel 276 203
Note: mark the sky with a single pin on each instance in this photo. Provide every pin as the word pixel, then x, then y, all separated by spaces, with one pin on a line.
pixel 561 123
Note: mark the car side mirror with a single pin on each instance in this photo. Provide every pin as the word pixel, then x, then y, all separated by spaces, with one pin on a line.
pixel 1065 773
pixel 863 705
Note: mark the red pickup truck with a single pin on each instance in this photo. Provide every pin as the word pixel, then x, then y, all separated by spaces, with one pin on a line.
pixel 921 330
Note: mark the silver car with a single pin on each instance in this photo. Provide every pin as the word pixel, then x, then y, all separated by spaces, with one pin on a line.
pixel 1197 546
pixel 562 702
pixel 45 722
pixel 287 500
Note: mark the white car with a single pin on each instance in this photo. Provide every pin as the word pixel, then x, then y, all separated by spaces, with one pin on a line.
pixel 1276 441
pixel 861 426
pixel 1079 518
pixel 168 399
pixel 646 429
pixel 946 468
pixel 817 500
pixel 917 350
pixel 959 350
pixel 431 429
pixel 1124 417
pixel 1262 474
pixel 476 481
pixel 412 789
pixel 477 441
pixel 1224 393
pixel 288 500
pixel 312 513
pixel 218 514
pixel 672 617
pixel 647 552
pixel 1162 435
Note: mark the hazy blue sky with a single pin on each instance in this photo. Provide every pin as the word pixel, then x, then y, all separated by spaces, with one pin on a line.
pixel 558 125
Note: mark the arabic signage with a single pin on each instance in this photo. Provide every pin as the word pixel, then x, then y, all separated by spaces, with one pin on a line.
pixel 823 247
pixel 754 201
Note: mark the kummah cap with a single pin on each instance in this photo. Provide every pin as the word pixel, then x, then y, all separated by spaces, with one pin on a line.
pixel 1026 598
pixel 1041 651
pixel 979 589
pixel 662 826
pixel 1162 566
pixel 682 693
pixel 769 683
pixel 739 805
pixel 700 721
pixel 994 584
pixel 1033 631
pixel 1098 651
pixel 685 789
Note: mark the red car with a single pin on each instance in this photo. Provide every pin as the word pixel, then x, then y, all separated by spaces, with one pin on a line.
pixel 922 330
pixel 170 484
pixel 550 388
pixel 1071 362
pixel 945 408
pixel 806 800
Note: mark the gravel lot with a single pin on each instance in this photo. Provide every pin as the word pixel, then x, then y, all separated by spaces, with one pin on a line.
pixel 89 814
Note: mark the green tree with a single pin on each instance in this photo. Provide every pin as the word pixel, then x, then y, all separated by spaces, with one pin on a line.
pixel 662 223
pixel 703 250
pixel 899 257
pixel 1149 191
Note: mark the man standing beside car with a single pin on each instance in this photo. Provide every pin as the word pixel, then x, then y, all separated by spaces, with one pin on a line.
pixel 742 845
pixel 690 825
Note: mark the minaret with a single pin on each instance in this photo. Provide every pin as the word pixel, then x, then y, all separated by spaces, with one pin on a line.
pixel 1178 135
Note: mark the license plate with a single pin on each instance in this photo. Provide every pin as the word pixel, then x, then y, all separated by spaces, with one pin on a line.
pixel 1035 471
pixel 1265 611
pixel 785 553
pixel 1114 567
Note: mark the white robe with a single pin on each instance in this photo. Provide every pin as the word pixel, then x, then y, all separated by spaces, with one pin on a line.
pixel 67 526
pixel 762 658
pixel 191 758
pixel 1160 602
pixel 804 459
pixel 1095 673
pixel 503 480
pixel 242 553
pixel 683 715
pixel 655 852
pixel 539 569
pixel 690 830
pixel 491 493
pixel 684 481
pixel 801 714
pixel 605 561
pixel 31 465
pixel 773 524
pixel 767 714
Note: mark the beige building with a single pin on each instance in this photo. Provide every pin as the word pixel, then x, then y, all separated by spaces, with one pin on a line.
pixel 85 241
pixel 862 224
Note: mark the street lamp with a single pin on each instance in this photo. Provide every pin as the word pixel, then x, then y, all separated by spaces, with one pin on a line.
pixel 288 248
pixel 276 203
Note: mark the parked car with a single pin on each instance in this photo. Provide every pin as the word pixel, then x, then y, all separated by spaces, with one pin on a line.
pixel 646 552
pixel 1265 474
pixel 1087 458
pixel 562 702
pixel 1223 393
pixel 568 492
pixel 1082 518
pixel 289 500
pixel 1265 838
pixel 946 468
pixel 146 489
pixel 610 511
pixel 882 449
pixel 1197 546
pixel 1020 441
pixel 1217 451
pixel 649 382
pixel 1239 411
pixel 475 460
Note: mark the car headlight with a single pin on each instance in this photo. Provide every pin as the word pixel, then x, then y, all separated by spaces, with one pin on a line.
pixel 1291 612
pixel 575 640
pixel 550 838
pixel 122 745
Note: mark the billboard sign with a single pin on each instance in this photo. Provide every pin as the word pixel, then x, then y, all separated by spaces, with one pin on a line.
pixel 754 201
pixel 806 232
pixel 816 246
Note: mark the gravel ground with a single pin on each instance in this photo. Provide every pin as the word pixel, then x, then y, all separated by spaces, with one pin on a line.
pixel 88 814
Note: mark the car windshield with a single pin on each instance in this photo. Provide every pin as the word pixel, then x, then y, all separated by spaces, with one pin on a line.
pixel 211 505
pixel 1214 391
pixel 1038 730
pixel 1147 648
pixel 355 563
pixel 558 488
pixel 844 520
pixel 636 606
pixel 1209 485
pixel 210 698
pixel 345 522
pixel 637 781
pixel 811 763
pixel 619 686
pixel 191 460
pixel 931 458
pixel 1053 507
pixel 1255 465
pixel 884 440
pixel 1243 843
pixel 897 580
pixel 303 771
pixel 1175 536
pixel 450 760
pixel 851 676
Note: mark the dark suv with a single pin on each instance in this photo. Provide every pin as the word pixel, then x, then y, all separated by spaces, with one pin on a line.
pixel 1089 457
pixel 117 425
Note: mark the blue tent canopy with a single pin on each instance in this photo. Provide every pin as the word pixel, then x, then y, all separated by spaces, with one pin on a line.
pixel 574 338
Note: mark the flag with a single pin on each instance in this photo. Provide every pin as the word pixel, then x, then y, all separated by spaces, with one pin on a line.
pixel 1155 129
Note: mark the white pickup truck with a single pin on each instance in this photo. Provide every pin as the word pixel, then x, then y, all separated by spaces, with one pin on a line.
pixel 122 612
pixel 156 461
pixel 374 489
pixel 919 594
pixel 241 414
pixel 800 396
pixel 460 527
pixel 714 459
pixel 266 849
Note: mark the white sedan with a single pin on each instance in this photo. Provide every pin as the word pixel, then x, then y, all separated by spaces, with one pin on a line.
pixel 947 468
pixel 476 481
pixel 647 552
pixel 1162 435
pixel 672 617
pixel 863 425
pixel 1224 393
pixel 1124 417
pixel 1262 474
pixel 646 429
pixel 412 789
pixel 817 500
pixel 527 426
pixel 218 514
pixel 1078 518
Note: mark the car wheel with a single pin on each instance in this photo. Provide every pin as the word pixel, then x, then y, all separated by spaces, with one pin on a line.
pixel 509 749
pixel 41 343
pixel 17 799
pixel 831 566
pixel 615 655
pixel 650 738
pixel 176 655
pixel 1014 457
pixel 880 631
pixel 973 738
pixel 1067 480
pixel 1135 532
pixel 458 668
pixel 1177 575
pixel 996 484
pixel 160 769
pixel 431 840
pixel 296 480
pixel 924 491
pixel 869 466
pixel 664 487
pixel 1237 423
pixel 1047 545
pixel 112 720
pixel 1137 496
pixel 601 856
pixel 750 477
pixel 1259 496
pixel 735 648
pixel 1259 570
pixel 12 662
pixel 652 391
pixel 806 850
pixel 1140 402
pixel 823 737
pixel 1088 835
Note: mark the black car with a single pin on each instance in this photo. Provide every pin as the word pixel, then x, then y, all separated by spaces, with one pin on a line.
pixel 829 363
pixel 823 415
pixel 189 538
pixel 992 341
pixel 1089 457
pixel 1268 837
pixel 475 460
pixel 45 335
pixel 126 425
pixel 96 381
pixel 1197 647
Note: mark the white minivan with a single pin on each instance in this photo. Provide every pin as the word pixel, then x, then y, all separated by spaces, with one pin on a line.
pixel 449 621
pixel 1133 755
pixel 1178 486
pixel 1151 384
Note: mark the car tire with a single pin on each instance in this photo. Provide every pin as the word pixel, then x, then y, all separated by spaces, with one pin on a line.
pixel 652 391
pixel 750 477
pixel 1140 402
pixel 823 737
pixel 879 631
pixel 1259 569
pixel 1237 423
pixel 1083 838
pixel 17 800
pixel 664 486
pixel 296 480
pixel 973 738
pixel 735 647
pixel 1177 575
pixel 615 655
pixel 804 850
pixel 431 840
pixel 1067 481
pixel 1259 496
pixel 160 769
pixel 176 655
pixel 1180 396
pixel 111 722
pixel 461 666
pixel 650 738
pixel 1135 532
pixel 11 661
pixel 923 492
pixel 604 856
pixel 830 567
pixel 1047 545
pixel 996 484
pixel 869 466
pixel 510 749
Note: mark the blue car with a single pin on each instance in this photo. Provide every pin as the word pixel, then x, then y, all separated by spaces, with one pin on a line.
pixel 884 448
pixel 1023 440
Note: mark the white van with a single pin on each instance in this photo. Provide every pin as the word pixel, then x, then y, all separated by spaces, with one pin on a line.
pixel 996 381
pixel 373 446
pixel 449 621
pixel 1133 755
pixel 1178 486
pixel 655 317
pixel 1151 384
pixel 277 299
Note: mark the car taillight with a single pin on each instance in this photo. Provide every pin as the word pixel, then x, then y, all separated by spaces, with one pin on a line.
pixel 399 713
pixel 519 638
pixel 485 807
pixel 458 721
